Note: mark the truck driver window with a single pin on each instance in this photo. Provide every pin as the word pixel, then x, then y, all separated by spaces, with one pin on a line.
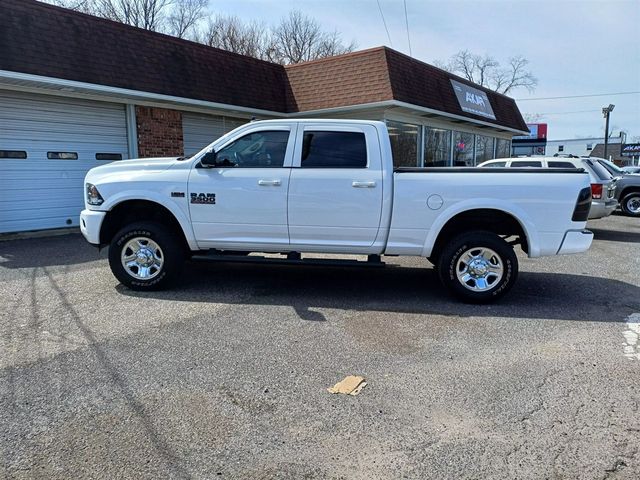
pixel 334 150
pixel 262 149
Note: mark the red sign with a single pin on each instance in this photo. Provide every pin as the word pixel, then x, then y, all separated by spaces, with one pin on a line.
pixel 538 131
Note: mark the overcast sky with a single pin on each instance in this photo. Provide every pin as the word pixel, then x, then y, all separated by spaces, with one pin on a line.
pixel 575 47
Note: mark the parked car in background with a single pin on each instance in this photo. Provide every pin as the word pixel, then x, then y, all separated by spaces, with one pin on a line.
pixel 603 184
pixel 630 169
pixel 628 187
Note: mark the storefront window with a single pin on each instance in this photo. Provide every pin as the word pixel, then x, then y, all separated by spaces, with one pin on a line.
pixel 437 147
pixel 503 148
pixel 522 150
pixel 462 149
pixel 484 148
pixel 404 143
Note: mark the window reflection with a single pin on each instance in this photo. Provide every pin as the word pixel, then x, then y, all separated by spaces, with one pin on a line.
pixel 404 143
pixel 437 147
pixel 462 149
pixel 484 149
pixel 503 148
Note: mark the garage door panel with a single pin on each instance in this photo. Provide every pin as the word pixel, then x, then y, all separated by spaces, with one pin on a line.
pixel 21 180
pixel 48 168
pixel 14 101
pixel 24 129
pixel 200 130
pixel 61 204
pixel 29 223
pixel 43 195
pixel 38 192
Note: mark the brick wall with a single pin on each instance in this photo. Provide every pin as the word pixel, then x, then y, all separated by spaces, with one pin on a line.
pixel 159 132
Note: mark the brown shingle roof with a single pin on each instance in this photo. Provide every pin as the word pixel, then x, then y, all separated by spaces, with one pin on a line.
pixel 422 84
pixel 351 79
pixel 613 150
pixel 380 74
pixel 50 41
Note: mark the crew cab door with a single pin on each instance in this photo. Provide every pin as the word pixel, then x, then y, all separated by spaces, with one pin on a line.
pixel 242 202
pixel 335 188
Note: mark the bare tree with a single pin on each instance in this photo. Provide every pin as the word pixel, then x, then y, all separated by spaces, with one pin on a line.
pixel 147 14
pixel 298 38
pixel 84 6
pixel 184 17
pixel 230 33
pixel 532 117
pixel 488 72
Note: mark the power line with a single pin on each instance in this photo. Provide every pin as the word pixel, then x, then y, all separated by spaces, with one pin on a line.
pixel 406 19
pixel 385 24
pixel 577 96
pixel 566 113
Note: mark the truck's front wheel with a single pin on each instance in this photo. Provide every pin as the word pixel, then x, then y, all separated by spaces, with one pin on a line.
pixel 478 266
pixel 145 256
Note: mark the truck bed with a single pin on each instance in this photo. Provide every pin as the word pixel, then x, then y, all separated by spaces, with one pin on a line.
pixel 485 170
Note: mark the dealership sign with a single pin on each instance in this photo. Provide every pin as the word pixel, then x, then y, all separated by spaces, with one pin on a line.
pixel 537 131
pixel 472 100
pixel 630 150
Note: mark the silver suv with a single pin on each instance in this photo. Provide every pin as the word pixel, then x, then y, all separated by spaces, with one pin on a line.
pixel 603 184
pixel 628 191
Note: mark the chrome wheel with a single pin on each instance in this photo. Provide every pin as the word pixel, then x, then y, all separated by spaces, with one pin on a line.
pixel 142 258
pixel 633 204
pixel 479 269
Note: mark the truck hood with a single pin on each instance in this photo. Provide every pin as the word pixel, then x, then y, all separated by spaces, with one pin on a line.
pixel 138 164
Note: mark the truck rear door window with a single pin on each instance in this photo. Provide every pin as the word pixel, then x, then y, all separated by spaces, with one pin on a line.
pixel 321 149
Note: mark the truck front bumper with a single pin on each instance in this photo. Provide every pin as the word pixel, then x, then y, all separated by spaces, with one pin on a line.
pixel 90 223
pixel 575 241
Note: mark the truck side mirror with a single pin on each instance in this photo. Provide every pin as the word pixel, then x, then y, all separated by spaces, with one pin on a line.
pixel 209 159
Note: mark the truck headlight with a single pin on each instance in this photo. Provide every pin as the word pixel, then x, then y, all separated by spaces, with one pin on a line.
pixel 93 195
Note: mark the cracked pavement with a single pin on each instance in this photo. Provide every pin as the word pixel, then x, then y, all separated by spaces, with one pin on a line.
pixel 226 375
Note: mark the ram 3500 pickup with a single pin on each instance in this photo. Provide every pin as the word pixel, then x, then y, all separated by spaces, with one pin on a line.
pixel 329 186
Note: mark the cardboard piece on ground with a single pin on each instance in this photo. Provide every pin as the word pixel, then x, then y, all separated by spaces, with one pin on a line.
pixel 351 385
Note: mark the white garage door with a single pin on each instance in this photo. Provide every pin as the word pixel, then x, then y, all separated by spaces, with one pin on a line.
pixel 47 145
pixel 199 130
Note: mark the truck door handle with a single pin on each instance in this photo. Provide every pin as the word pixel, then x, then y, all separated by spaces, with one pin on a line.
pixel 269 183
pixel 363 184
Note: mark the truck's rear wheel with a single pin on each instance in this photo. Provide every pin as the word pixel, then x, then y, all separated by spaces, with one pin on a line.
pixel 146 256
pixel 478 266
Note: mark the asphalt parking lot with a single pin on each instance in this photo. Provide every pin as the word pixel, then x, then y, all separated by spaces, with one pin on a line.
pixel 226 376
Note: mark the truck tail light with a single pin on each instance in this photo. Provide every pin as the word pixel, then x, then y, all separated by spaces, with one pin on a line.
pixel 596 190
pixel 583 205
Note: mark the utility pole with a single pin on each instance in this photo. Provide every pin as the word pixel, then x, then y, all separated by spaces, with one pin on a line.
pixel 606 111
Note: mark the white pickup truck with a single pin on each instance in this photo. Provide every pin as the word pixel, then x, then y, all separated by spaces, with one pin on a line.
pixel 329 186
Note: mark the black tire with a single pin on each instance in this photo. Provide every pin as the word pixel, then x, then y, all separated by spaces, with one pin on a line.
pixel 501 268
pixel 630 204
pixel 171 253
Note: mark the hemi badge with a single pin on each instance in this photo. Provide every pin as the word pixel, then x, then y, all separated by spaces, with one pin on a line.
pixel 177 194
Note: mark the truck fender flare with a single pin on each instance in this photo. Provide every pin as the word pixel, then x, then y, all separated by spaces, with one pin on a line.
pixel 179 214
pixel 483 203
